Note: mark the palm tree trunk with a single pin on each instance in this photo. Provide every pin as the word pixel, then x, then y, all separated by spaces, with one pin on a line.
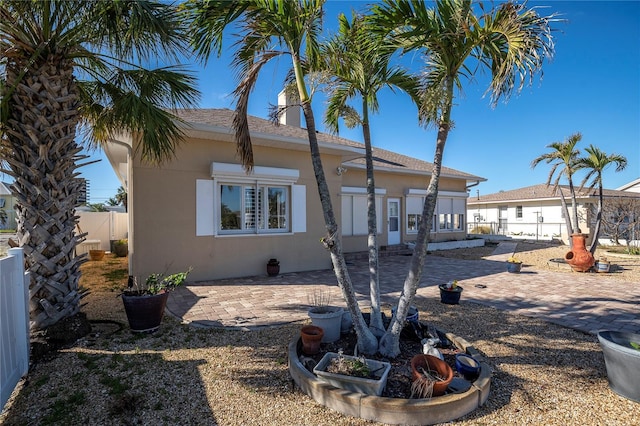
pixel 596 232
pixel 375 324
pixel 574 205
pixel 41 135
pixel 367 342
pixel 567 218
pixel 390 343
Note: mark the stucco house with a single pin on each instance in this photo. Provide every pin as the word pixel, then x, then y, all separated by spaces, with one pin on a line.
pixel 202 210
pixel 534 211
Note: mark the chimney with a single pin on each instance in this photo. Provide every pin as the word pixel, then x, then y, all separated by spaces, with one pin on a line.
pixel 291 115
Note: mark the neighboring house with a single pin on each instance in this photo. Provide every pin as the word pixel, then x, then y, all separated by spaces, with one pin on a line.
pixel 202 210
pixel 7 201
pixel 633 186
pixel 534 211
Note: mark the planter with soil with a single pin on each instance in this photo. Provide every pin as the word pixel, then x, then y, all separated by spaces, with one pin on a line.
pixel 394 405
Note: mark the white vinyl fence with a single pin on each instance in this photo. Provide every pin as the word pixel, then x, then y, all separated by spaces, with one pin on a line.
pixel 101 229
pixel 14 322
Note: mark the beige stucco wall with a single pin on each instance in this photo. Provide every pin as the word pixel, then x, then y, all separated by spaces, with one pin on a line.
pixel 396 186
pixel 164 212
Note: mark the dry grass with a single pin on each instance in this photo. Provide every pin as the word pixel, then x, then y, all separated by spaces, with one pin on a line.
pixel 543 374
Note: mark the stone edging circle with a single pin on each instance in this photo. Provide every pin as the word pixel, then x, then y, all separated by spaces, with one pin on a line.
pixel 394 410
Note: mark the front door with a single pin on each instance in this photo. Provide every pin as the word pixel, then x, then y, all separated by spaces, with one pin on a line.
pixel 393 221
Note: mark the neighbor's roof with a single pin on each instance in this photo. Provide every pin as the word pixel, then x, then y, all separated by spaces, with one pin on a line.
pixel 541 192
pixel 383 159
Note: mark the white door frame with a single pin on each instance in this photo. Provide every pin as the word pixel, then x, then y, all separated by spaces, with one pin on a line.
pixel 393 221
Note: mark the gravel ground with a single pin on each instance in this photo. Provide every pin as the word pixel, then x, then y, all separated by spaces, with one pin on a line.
pixel 543 374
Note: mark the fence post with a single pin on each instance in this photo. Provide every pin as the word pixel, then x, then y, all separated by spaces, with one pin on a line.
pixel 21 302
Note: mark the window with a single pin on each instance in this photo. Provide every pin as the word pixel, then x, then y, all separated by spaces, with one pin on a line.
pixel 354 211
pixel 414 206
pixel 245 208
pixel 265 202
pixel 518 212
pixel 451 214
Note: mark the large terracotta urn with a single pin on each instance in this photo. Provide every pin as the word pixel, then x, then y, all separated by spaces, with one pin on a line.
pixel 580 259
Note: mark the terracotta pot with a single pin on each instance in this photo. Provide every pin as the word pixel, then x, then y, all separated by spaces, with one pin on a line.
pixel 580 259
pixel 430 362
pixel 311 337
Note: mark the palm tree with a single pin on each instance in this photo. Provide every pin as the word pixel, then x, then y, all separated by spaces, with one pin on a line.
pixel 595 163
pixel 121 197
pixel 359 66
pixel 563 157
pixel 510 42
pixel 70 63
pixel 271 29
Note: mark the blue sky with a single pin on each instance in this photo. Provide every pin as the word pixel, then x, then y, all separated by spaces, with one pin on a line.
pixel 591 86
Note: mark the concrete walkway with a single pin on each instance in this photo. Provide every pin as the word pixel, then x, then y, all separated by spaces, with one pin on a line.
pixel 583 301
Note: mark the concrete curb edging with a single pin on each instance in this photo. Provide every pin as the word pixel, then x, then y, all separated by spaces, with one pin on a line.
pixel 394 410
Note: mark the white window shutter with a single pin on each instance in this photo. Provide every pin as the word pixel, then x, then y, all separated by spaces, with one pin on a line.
pixel 299 208
pixel 205 224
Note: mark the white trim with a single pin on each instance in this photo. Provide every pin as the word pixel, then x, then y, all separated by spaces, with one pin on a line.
pixel 262 173
pixel 423 192
pixel 359 190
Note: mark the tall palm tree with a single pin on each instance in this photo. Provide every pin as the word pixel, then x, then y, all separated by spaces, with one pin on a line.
pixel 563 157
pixel 359 64
pixel 69 63
pixel 510 42
pixel 595 163
pixel 271 29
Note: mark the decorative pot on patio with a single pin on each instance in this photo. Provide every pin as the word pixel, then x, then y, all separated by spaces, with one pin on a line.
pixel 580 259
pixel 273 267
pixel 514 265
pixel 450 295
pixel 311 336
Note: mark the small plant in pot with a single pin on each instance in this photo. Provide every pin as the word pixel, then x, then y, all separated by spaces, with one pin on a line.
pixel 450 292
pixel 144 305
pixel 121 247
pixel 327 317
pixel 514 265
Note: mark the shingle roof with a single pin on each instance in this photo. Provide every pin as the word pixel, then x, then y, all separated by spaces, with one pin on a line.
pixel 382 158
pixel 543 191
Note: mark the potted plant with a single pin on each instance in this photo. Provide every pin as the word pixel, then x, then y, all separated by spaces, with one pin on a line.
pixel 356 374
pixel 603 265
pixel 514 265
pixel 273 267
pixel 327 317
pixel 144 305
pixel 450 292
pixel 121 247
pixel 431 376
